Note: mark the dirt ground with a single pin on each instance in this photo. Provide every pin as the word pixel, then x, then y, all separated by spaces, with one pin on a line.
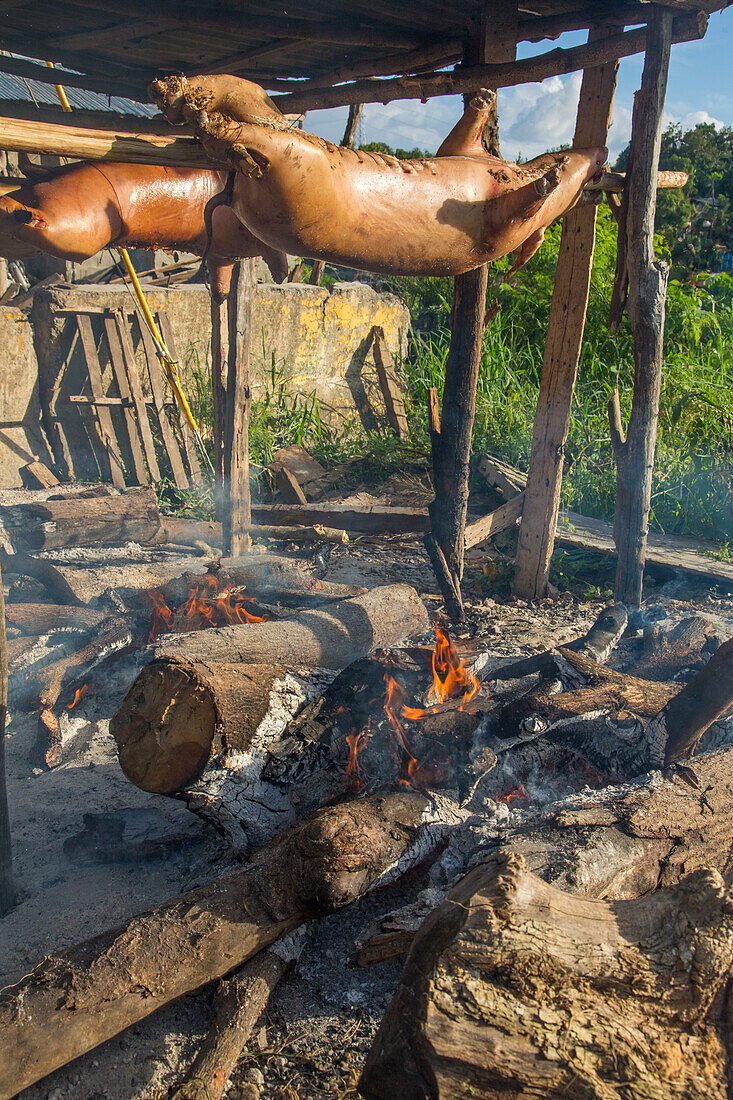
pixel 91 850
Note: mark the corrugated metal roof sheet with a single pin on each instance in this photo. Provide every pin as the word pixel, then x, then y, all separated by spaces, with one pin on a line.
pixel 20 90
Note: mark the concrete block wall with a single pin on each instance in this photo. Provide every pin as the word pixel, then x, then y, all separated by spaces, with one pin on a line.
pixel 315 339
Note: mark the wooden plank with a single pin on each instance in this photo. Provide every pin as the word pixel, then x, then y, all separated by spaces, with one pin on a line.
pixel 38 475
pixel 238 519
pixel 189 441
pixel 390 386
pixel 128 411
pixel 305 467
pixel 502 476
pixel 289 487
pixel 62 452
pixel 562 351
pixel 104 416
pixel 498 520
pixel 156 386
pixel 140 403
pixel 646 303
pixel 668 551
pixel 367 518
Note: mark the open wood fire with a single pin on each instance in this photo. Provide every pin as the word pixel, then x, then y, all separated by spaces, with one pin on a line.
pixel 337 739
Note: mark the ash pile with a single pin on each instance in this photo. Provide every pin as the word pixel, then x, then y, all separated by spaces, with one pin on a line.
pixel 325 843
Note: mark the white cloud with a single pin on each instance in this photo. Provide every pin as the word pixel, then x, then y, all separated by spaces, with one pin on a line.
pixel 692 119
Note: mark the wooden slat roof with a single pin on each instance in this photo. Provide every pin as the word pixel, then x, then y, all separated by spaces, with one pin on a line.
pixel 127 42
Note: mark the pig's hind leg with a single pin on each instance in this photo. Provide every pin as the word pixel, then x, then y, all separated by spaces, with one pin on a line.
pixel 464 140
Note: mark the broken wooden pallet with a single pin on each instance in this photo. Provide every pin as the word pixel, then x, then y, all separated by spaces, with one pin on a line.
pixel 131 433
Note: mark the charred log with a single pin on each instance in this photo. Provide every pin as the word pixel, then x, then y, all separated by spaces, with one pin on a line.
pixel 82 996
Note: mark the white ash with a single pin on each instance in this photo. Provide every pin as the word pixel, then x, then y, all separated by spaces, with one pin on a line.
pixel 232 794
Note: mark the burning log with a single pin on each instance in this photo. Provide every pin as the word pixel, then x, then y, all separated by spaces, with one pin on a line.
pixel 514 987
pixel 331 637
pixel 240 1002
pixel 47 684
pixel 77 999
pixel 189 706
pixel 626 749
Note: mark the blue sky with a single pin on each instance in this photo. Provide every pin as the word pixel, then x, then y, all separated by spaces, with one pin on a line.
pixel 537 117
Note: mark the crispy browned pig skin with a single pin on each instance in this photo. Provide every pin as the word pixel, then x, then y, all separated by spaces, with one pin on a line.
pixel 87 207
pixel 440 216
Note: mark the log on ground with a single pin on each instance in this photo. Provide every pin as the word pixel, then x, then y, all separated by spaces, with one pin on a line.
pixel 77 999
pixel 513 987
pixel 131 516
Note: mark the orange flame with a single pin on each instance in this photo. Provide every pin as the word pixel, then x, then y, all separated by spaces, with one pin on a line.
pixel 451 678
pixel 518 792
pixel 450 675
pixel 205 607
pixel 357 742
pixel 418 774
pixel 161 619
pixel 78 695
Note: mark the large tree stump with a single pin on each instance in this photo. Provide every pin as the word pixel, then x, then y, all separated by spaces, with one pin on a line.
pixel 82 996
pixel 646 303
pixel 562 350
pixel 514 988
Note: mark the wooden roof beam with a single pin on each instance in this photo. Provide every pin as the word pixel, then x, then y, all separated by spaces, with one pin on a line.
pixel 557 62
pixel 237 25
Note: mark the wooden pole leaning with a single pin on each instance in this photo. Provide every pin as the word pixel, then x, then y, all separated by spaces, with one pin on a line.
pixel 562 352
pixel 238 518
pixel 647 281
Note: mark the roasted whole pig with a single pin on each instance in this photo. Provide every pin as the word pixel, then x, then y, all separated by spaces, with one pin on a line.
pixel 87 207
pixel 441 216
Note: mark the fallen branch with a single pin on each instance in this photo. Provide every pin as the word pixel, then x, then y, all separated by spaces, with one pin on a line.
pixel 77 999
pixel 239 1003
pixel 49 576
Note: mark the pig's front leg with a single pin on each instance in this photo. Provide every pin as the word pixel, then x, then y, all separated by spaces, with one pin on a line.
pixel 525 253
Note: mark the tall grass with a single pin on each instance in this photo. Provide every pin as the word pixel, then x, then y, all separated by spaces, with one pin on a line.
pixel 693 482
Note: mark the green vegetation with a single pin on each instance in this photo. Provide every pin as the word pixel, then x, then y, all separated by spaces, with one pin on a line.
pixel 693 484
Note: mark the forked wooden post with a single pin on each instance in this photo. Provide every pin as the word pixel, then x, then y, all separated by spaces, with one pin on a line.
pixel 7 891
pixel 238 519
pixel 495 40
pixel 646 303
pixel 562 351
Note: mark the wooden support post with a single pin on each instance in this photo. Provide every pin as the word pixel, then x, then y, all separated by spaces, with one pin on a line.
pixel 562 351
pixel 646 303
pixel 238 519
pixel 7 891
pixel 452 448
pixel 494 40
pixel 351 123
pixel 219 377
